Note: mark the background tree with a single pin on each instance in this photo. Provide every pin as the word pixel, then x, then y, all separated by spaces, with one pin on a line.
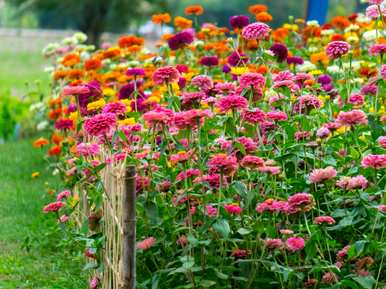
pixel 93 17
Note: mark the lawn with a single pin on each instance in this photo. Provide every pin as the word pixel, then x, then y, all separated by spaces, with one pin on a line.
pixel 31 256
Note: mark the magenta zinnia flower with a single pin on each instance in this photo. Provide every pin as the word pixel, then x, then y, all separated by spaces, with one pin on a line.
pixel 100 124
pixel 252 79
pixel 257 30
pixel 238 21
pixel 53 207
pixel 295 244
pixel 222 163
pixel 118 108
pixel 374 161
pixel 233 209
pixel 337 49
pixel 165 75
pixel 64 124
pixel 234 102
pixel 181 39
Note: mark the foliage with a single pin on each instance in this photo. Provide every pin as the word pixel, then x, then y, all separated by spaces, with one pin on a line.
pixel 260 152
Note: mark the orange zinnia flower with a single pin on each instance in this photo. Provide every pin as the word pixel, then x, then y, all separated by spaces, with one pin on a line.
pixel 264 17
pixel 54 151
pixel 182 22
pixel 56 138
pixel 320 57
pixel 194 10
pixel 92 64
pixel 70 59
pixel 40 142
pixel 256 9
pixel 340 22
pixel 161 18
pixel 130 40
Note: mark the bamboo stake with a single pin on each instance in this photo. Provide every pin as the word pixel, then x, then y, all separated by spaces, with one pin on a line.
pixel 129 223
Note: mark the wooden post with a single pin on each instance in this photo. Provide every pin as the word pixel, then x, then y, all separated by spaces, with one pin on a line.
pixel 129 234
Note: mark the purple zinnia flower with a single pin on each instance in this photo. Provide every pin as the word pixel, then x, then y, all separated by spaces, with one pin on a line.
pixel 209 60
pixel 280 51
pixel 238 21
pixel 237 58
pixel 181 39
pixel 297 60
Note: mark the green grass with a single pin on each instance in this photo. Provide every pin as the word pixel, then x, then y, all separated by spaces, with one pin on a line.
pixel 32 246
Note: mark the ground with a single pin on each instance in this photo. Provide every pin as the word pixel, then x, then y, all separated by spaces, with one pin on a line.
pixel 31 256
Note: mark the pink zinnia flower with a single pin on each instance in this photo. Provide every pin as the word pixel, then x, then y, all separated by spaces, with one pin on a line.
pixel 146 244
pixel 277 115
pixel 336 49
pixel 64 218
pixel 376 2
pixel 252 79
pixel 234 101
pixel 222 163
pixel 165 75
pixel 88 149
pixel 382 208
pixel 213 180
pixel 342 253
pixel 239 253
pixel 382 141
pixel 118 108
pixel 187 174
pixel 329 278
pixel 378 48
pixel 273 243
pixel 301 202
pixel 295 244
pixel 100 124
pixel 94 282
pixel 233 209
pixel 210 211
pixel 257 30
pixel 321 175
pixel 63 195
pixel 203 82
pixel 374 161
pixel 356 99
pixel 372 11
pixel 251 162
pixel 347 183
pixel 383 72
pixel 324 219
pixel 158 115
pixel 75 90
pixel 253 116
pixel 53 207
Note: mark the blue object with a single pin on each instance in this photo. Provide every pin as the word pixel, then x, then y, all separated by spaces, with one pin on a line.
pixel 317 10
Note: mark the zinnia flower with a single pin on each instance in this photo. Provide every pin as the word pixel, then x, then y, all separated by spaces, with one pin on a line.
pixel 165 75
pixel 324 219
pixel 374 161
pixel 238 21
pixel 352 117
pixel 181 39
pixel 222 163
pixel 146 244
pixel 295 244
pixel 321 175
pixel 280 51
pixel 337 49
pixel 257 30
pixel 233 209
pixel 100 124
pixel 53 207
pixel 234 102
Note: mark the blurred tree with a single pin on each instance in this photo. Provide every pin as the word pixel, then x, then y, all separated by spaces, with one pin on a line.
pixel 93 17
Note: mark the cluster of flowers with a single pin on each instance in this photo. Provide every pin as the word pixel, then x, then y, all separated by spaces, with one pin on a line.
pixel 225 127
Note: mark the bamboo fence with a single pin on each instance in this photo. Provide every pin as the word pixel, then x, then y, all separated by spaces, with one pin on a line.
pixel 118 224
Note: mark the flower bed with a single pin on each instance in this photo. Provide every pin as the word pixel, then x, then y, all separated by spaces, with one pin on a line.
pixel 260 152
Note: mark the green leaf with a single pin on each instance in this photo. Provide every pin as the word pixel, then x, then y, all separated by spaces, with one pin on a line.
pixel 207 283
pixel 222 227
pixel 366 282
pixel 243 231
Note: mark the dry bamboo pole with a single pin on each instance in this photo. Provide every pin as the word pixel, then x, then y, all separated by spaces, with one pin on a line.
pixel 129 234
